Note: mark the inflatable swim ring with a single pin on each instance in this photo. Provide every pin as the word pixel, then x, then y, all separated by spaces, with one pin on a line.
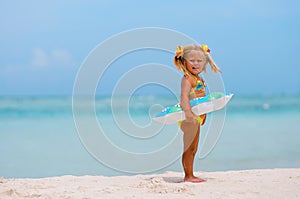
pixel 209 103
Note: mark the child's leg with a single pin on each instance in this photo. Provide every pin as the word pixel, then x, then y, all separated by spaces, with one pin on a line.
pixel 190 140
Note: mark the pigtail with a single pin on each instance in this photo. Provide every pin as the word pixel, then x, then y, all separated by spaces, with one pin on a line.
pixel 178 63
pixel 179 60
pixel 211 62
pixel 213 65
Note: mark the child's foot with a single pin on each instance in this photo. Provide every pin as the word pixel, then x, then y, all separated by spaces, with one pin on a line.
pixel 193 179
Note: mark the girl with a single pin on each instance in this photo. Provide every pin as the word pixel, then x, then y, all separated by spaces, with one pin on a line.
pixel 192 60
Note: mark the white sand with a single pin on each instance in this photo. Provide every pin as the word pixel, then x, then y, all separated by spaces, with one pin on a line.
pixel 271 183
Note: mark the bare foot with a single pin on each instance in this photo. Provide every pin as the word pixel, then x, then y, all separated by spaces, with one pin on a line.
pixel 193 179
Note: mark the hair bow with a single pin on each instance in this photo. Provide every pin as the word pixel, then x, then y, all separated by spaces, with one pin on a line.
pixel 205 49
pixel 179 52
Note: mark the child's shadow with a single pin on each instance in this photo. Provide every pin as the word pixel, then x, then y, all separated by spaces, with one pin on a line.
pixel 173 179
pixel 178 179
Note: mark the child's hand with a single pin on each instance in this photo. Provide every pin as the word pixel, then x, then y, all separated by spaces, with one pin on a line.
pixel 190 117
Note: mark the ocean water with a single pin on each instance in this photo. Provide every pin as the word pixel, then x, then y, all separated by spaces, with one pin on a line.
pixel 39 136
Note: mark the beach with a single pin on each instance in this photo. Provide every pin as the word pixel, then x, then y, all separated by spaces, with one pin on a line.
pixel 81 91
pixel 265 183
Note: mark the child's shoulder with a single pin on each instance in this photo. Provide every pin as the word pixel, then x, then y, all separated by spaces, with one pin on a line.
pixel 185 78
pixel 188 79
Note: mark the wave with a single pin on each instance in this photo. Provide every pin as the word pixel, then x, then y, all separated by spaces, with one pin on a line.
pixel 58 106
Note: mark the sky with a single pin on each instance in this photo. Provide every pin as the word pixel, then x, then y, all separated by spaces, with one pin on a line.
pixel 44 43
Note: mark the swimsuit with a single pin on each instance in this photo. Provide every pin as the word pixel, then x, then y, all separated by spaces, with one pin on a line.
pixel 200 87
pixel 199 118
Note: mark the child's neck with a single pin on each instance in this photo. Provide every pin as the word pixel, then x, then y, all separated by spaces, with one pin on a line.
pixel 195 76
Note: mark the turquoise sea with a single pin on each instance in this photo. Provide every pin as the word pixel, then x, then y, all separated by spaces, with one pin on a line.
pixel 38 135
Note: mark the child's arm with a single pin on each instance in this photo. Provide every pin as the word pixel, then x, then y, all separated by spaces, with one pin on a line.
pixel 185 100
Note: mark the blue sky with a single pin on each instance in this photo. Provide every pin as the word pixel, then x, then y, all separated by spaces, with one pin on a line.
pixel 43 43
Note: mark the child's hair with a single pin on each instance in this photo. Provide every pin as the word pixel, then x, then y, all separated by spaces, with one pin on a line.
pixel 182 53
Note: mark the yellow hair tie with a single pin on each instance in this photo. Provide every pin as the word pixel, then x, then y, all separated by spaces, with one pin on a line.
pixel 179 52
pixel 205 49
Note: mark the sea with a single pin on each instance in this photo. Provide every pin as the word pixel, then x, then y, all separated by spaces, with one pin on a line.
pixel 54 136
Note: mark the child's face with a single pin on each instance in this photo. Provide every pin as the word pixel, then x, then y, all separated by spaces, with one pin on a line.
pixel 195 62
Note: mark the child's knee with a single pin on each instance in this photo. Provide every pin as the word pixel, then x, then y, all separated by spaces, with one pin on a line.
pixel 192 150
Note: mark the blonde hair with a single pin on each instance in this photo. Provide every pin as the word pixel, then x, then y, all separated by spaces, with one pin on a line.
pixel 180 57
